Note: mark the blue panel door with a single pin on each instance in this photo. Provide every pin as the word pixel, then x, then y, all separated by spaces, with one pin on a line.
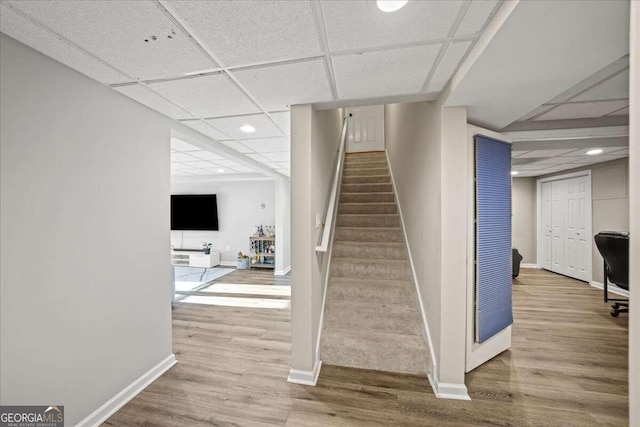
pixel 493 237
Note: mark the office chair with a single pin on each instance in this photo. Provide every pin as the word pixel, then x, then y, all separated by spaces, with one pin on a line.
pixel 614 248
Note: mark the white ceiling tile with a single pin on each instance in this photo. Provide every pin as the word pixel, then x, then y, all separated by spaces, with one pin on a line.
pixel 276 87
pixel 624 151
pixel 283 120
pixel 115 31
pixel 227 163
pixel 531 167
pixel 284 172
pixel 206 155
pixel 476 16
pixel 264 127
pixel 589 160
pixel 515 154
pixel 544 153
pixel 154 101
pixel 182 157
pixel 541 109
pixel 284 156
pixel 244 169
pixel 234 145
pixel 202 172
pixel 24 31
pixel 272 165
pixel 205 129
pixel 258 157
pixel 582 110
pixel 617 87
pixel 623 112
pixel 557 160
pixel 359 24
pixel 268 145
pixel 180 145
pixel 450 61
pixel 200 164
pixel 244 32
pixel 381 73
pixel 179 166
pixel 285 165
pixel 207 96
pixel 583 151
pixel 180 173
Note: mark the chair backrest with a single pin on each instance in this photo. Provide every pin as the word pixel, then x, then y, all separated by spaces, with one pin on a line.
pixel 614 248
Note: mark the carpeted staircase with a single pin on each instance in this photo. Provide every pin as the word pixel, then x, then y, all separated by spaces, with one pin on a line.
pixel 371 316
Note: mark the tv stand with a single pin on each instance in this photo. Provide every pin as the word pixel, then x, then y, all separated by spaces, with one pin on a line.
pixel 194 258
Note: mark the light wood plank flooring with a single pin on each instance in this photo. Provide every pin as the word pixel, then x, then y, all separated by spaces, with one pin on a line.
pixel 567 367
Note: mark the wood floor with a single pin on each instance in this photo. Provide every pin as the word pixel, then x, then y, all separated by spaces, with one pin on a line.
pixel 567 367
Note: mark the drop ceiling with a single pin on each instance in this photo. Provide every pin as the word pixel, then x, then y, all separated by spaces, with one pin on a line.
pixel 217 65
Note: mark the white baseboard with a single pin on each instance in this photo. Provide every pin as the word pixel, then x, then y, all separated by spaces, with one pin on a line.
pixel 282 272
pixel 305 377
pixel 448 391
pixel 525 265
pixel 611 288
pixel 228 264
pixel 119 400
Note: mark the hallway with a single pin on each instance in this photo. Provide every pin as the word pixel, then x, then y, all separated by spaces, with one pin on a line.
pixel 567 367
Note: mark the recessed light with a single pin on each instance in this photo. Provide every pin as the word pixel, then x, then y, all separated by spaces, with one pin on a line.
pixel 594 151
pixel 514 172
pixel 220 170
pixel 247 128
pixel 391 5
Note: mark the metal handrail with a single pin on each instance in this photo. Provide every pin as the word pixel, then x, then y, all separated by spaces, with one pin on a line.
pixel 335 189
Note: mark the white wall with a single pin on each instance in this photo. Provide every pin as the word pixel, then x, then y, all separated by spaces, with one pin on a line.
pixel 283 226
pixel 315 138
pixel 524 218
pixel 239 211
pixel 84 220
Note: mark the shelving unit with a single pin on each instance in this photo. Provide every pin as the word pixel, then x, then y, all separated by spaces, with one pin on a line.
pixel 195 258
pixel 263 252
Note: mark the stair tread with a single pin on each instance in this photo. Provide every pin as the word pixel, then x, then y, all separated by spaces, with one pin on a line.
pixel 369 260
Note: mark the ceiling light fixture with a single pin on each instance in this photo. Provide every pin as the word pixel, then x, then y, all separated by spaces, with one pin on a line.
pixel 594 151
pixel 514 172
pixel 220 170
pixel 247 129
pixel 391 5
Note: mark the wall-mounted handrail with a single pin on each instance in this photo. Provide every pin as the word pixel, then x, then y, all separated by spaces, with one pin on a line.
pixel 335 190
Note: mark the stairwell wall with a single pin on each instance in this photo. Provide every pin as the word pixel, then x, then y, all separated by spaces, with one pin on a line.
pixel 315 138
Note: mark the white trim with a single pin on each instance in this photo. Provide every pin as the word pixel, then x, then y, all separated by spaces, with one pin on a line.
pixel 539 230
pixel 305 377
pixel 282 272
pixel 527 265
pixel 426 334
pixel 448 391
pixel 101 414
pixel 568 134
pixel 611 288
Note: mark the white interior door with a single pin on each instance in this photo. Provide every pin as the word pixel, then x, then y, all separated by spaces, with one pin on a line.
pixel 546 225
pixel 365 130
pixel 577 232
pixel 558 196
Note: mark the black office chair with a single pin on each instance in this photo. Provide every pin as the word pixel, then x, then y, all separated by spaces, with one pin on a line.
pixel 614 248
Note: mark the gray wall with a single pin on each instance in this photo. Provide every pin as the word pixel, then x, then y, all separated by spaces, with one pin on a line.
pixel 239 211
pixel 84 208
pixel 524 218
pixel 315 137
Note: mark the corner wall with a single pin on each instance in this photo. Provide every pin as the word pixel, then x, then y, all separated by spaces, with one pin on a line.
pixel 524 218
pixel 84 219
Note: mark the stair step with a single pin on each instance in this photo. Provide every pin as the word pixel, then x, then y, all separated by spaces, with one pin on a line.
pixel 365 172
pixel 368 179
pixel 379 351
pixel 359 157
pixel 373 316
pixel 364 220
pixel 367 250
pixel 369 234
pixel 367 208
pixel 371 290
pixel 367 197
pixel 366 188
pixel 373 164
pixel 371 268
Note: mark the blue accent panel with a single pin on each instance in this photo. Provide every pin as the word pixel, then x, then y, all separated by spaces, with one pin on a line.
pixel 493 237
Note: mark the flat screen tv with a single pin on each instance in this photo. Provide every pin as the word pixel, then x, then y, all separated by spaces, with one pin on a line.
pixel 194 212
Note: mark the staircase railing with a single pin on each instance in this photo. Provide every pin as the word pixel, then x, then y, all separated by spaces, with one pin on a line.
pixel 335 192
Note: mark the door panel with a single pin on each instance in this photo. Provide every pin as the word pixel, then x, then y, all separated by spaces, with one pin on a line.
pixel 546 225
pixel 558 196
pixel 365 131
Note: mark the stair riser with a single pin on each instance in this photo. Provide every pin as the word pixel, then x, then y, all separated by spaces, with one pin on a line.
pixel 383 293
pixel 368 221
pixel 379 164
pixel 355 235
pixel 341 267
pixel 391 318
pixel 367 198
pixel 367 208
pixel 365 172
pixel 367 250
pixel 365 157
pixel 370 179
pixel 366 188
